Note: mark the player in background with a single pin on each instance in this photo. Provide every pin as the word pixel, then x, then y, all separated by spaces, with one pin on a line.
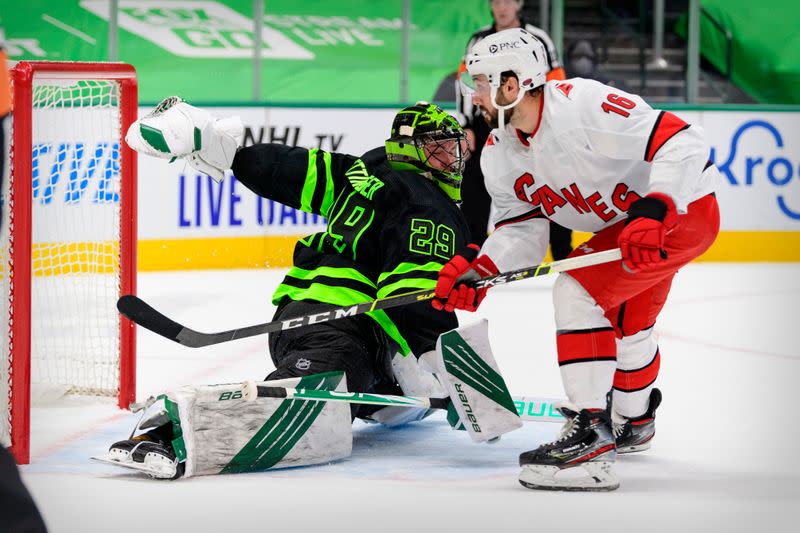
pixel 594 159
pixel 477 202
pixel 393 221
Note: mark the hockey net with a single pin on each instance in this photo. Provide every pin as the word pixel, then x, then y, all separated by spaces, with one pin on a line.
pixel 67 241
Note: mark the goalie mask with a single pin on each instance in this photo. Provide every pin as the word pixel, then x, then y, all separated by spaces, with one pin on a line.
pixel 427 139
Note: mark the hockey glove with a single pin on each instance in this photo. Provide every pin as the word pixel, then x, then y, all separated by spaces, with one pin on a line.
pixel 642 239
pixel 177 130
pixel 453 289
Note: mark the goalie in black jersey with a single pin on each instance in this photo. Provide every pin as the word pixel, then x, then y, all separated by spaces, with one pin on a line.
pixel 393 221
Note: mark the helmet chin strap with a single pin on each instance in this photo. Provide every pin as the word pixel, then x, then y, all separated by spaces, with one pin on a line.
pixel 501 114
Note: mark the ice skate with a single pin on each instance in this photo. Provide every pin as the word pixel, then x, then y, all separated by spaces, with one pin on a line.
pixel 582 459
pixel 636 434
pixel 150 452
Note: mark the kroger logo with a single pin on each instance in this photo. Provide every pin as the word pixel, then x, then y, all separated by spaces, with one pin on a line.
pixel 779 171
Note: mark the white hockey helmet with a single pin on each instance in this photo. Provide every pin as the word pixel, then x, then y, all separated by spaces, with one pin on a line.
pixel 513 50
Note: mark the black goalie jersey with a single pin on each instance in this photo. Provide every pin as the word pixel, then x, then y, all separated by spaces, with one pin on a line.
pixel 389 232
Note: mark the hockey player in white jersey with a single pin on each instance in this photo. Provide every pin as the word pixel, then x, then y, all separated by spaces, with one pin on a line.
pixel 591 158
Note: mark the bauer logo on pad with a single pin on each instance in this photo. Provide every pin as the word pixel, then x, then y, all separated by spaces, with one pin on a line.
pixel 478 391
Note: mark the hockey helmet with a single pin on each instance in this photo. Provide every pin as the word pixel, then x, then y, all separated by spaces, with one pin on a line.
pixel 513 50
pixel 427 139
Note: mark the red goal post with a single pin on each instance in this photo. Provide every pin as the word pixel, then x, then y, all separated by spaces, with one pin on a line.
pixel 68 248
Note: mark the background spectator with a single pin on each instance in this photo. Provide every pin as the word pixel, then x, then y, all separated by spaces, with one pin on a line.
pixel 581 61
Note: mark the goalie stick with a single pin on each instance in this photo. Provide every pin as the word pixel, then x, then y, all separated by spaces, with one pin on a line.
pixel 140 312
pixel 529 408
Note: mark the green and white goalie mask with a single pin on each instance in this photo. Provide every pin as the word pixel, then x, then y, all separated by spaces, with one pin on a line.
pixel 224 429
pixel 426 139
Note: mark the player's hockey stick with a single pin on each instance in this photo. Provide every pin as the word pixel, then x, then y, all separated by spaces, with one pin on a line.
pixel 140 312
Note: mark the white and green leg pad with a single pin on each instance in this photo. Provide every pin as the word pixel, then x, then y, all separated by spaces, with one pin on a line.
pixel 480 397
pixel 219 429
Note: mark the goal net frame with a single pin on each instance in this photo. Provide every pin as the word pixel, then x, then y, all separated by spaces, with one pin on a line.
pixel 24 75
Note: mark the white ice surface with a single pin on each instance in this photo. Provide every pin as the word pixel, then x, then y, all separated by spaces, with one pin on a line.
pixel 725 457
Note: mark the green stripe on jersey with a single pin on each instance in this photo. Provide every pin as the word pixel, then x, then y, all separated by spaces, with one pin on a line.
pixel 310 183
pixel 411 284
pixel 327 199
pixel 330 272
pixel 405 268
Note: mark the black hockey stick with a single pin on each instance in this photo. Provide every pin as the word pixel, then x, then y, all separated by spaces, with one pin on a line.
pixel 140 312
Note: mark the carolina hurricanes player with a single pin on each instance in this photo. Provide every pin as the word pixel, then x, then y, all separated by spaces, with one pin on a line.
pixel 591 158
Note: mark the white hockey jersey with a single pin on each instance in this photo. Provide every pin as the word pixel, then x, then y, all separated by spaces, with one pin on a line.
pixel 595 150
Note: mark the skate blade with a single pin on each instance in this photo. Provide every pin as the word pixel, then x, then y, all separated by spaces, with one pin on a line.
pixel 634 448
pixel 154 469
pixel 638 447
pixel 598 476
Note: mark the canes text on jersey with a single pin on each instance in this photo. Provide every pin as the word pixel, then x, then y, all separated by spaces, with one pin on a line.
pixel 550 200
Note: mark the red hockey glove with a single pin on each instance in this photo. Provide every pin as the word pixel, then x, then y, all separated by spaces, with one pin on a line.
pixel 642 240
pixel 452 289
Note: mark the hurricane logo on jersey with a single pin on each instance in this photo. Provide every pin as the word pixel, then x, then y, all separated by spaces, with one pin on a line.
pixel 564 88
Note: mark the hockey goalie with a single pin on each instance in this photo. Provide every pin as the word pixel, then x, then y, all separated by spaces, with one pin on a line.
pixel 393 221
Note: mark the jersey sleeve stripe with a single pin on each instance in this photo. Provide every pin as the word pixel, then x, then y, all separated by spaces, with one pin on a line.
pixel 317 193
pixel 327 197
pixel 323 165
pixel 666 126
pixel 310 183
pixel 536 213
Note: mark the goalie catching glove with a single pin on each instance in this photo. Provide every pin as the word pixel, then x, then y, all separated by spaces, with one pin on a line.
pixel 177 130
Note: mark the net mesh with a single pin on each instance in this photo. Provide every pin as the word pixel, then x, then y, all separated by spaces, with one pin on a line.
pixel 75 178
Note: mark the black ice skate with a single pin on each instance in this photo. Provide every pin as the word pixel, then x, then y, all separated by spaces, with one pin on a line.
pixel 150 452
pixel 636 434
pixel 586 446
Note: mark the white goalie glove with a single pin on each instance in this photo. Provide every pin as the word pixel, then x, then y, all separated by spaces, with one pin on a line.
pixel 177 130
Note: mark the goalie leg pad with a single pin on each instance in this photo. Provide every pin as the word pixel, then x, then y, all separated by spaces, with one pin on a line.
pixel 471 376
pixel 216 429
pixel 226 431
